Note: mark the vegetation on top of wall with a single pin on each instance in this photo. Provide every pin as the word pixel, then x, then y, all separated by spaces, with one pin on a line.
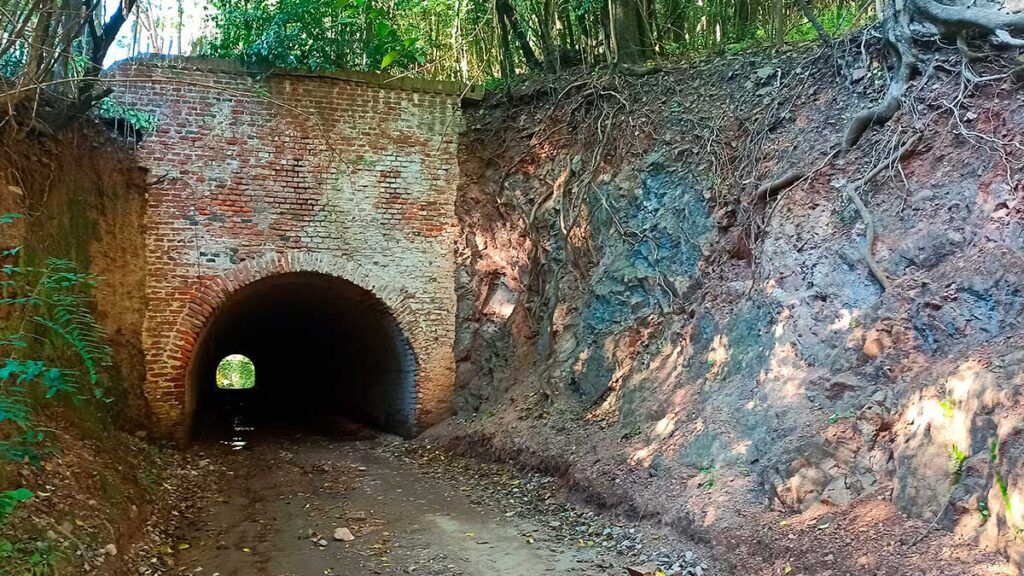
pixel 134 123
pixel 313 34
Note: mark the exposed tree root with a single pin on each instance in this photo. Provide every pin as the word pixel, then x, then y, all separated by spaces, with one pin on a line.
pixel 865 214
pixel 778 185
pixel 896 30
pixel 958 22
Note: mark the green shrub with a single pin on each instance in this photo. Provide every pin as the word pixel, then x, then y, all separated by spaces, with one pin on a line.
pixel 52 346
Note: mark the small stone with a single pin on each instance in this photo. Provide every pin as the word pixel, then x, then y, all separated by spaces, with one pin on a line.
pixel 110 550
pixel 321 542
pixel 657 466
pixel 343 535
pixel 873 347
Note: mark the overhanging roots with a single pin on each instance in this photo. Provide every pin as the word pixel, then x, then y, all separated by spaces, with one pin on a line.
pixel 953 21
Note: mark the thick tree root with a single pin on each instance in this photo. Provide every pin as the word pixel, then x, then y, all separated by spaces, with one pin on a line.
pixel 778 185
pixel 882 113
pixel 896 29
pixel 852 191
pixel 951 21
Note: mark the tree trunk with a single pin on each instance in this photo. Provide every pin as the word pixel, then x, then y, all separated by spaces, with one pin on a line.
pixel 649 19
pixel 545 24
pixel 608 34
pixel 808 13
pixel 507 13
pixel 778 23
pixel 38 52
pixel 459 49
pixel 181 24
pixel 567 32
pixel 629 39
pixel 369 33
pixel 505 61
pixel 742 20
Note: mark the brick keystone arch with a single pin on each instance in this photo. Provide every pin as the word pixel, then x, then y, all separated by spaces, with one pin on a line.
pixel 212 294
pixel 355 177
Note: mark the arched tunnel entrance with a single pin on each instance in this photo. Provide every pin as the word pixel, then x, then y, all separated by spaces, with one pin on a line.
pixel 325 351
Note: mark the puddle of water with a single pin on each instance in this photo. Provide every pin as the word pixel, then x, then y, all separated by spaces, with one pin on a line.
pixel 240 431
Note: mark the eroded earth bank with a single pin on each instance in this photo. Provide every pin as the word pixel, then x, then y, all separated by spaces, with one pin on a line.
pixel 678 347
pixel 667 299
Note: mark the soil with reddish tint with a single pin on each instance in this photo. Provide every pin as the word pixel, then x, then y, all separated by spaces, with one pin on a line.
pixel 643 317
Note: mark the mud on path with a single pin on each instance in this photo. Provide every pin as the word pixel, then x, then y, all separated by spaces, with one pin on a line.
pixel 281 501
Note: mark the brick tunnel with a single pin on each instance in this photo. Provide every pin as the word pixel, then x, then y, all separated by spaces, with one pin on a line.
pixel 325 351
pixel 306 221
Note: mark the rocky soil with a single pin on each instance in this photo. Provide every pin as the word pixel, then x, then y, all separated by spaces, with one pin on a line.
pixel 365 505
pixel 102 504
pixel 645 315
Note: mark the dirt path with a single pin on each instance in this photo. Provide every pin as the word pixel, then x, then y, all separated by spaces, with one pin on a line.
pixel 282 501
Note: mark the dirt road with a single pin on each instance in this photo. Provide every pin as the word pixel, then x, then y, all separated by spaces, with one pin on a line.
pixel 281 503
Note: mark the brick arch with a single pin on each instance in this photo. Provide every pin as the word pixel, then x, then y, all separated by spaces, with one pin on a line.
pixel 212 294
pixel 216 291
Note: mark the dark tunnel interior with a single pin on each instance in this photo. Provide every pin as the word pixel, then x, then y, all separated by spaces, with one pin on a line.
pixel 325 352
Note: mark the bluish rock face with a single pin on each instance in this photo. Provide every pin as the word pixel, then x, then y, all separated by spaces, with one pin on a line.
pixel 643 268
pixel 650 245
pixel 716 334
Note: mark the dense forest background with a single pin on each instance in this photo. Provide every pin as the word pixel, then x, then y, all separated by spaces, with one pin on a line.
pixel 478 40
pixel 474 40
pixel 57 48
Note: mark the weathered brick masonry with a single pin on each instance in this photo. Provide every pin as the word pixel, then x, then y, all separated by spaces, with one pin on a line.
pixel 258 174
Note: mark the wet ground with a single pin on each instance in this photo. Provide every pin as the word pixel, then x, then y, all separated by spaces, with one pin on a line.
pixel 316 506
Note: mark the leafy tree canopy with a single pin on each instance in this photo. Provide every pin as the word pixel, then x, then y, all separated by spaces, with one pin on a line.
pixel 312 34
pixel 479 40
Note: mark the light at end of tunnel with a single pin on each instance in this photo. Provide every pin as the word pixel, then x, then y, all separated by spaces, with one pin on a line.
pixel 236 372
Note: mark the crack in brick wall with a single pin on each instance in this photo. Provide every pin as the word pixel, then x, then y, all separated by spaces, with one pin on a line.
pixel 262 174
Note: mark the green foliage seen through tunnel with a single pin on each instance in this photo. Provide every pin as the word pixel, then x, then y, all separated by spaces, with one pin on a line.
pixel 236 372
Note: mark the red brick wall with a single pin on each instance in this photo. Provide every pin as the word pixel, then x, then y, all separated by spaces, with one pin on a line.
pixel 259 174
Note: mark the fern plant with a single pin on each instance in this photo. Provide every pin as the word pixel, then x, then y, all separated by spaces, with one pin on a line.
pixel 53 346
